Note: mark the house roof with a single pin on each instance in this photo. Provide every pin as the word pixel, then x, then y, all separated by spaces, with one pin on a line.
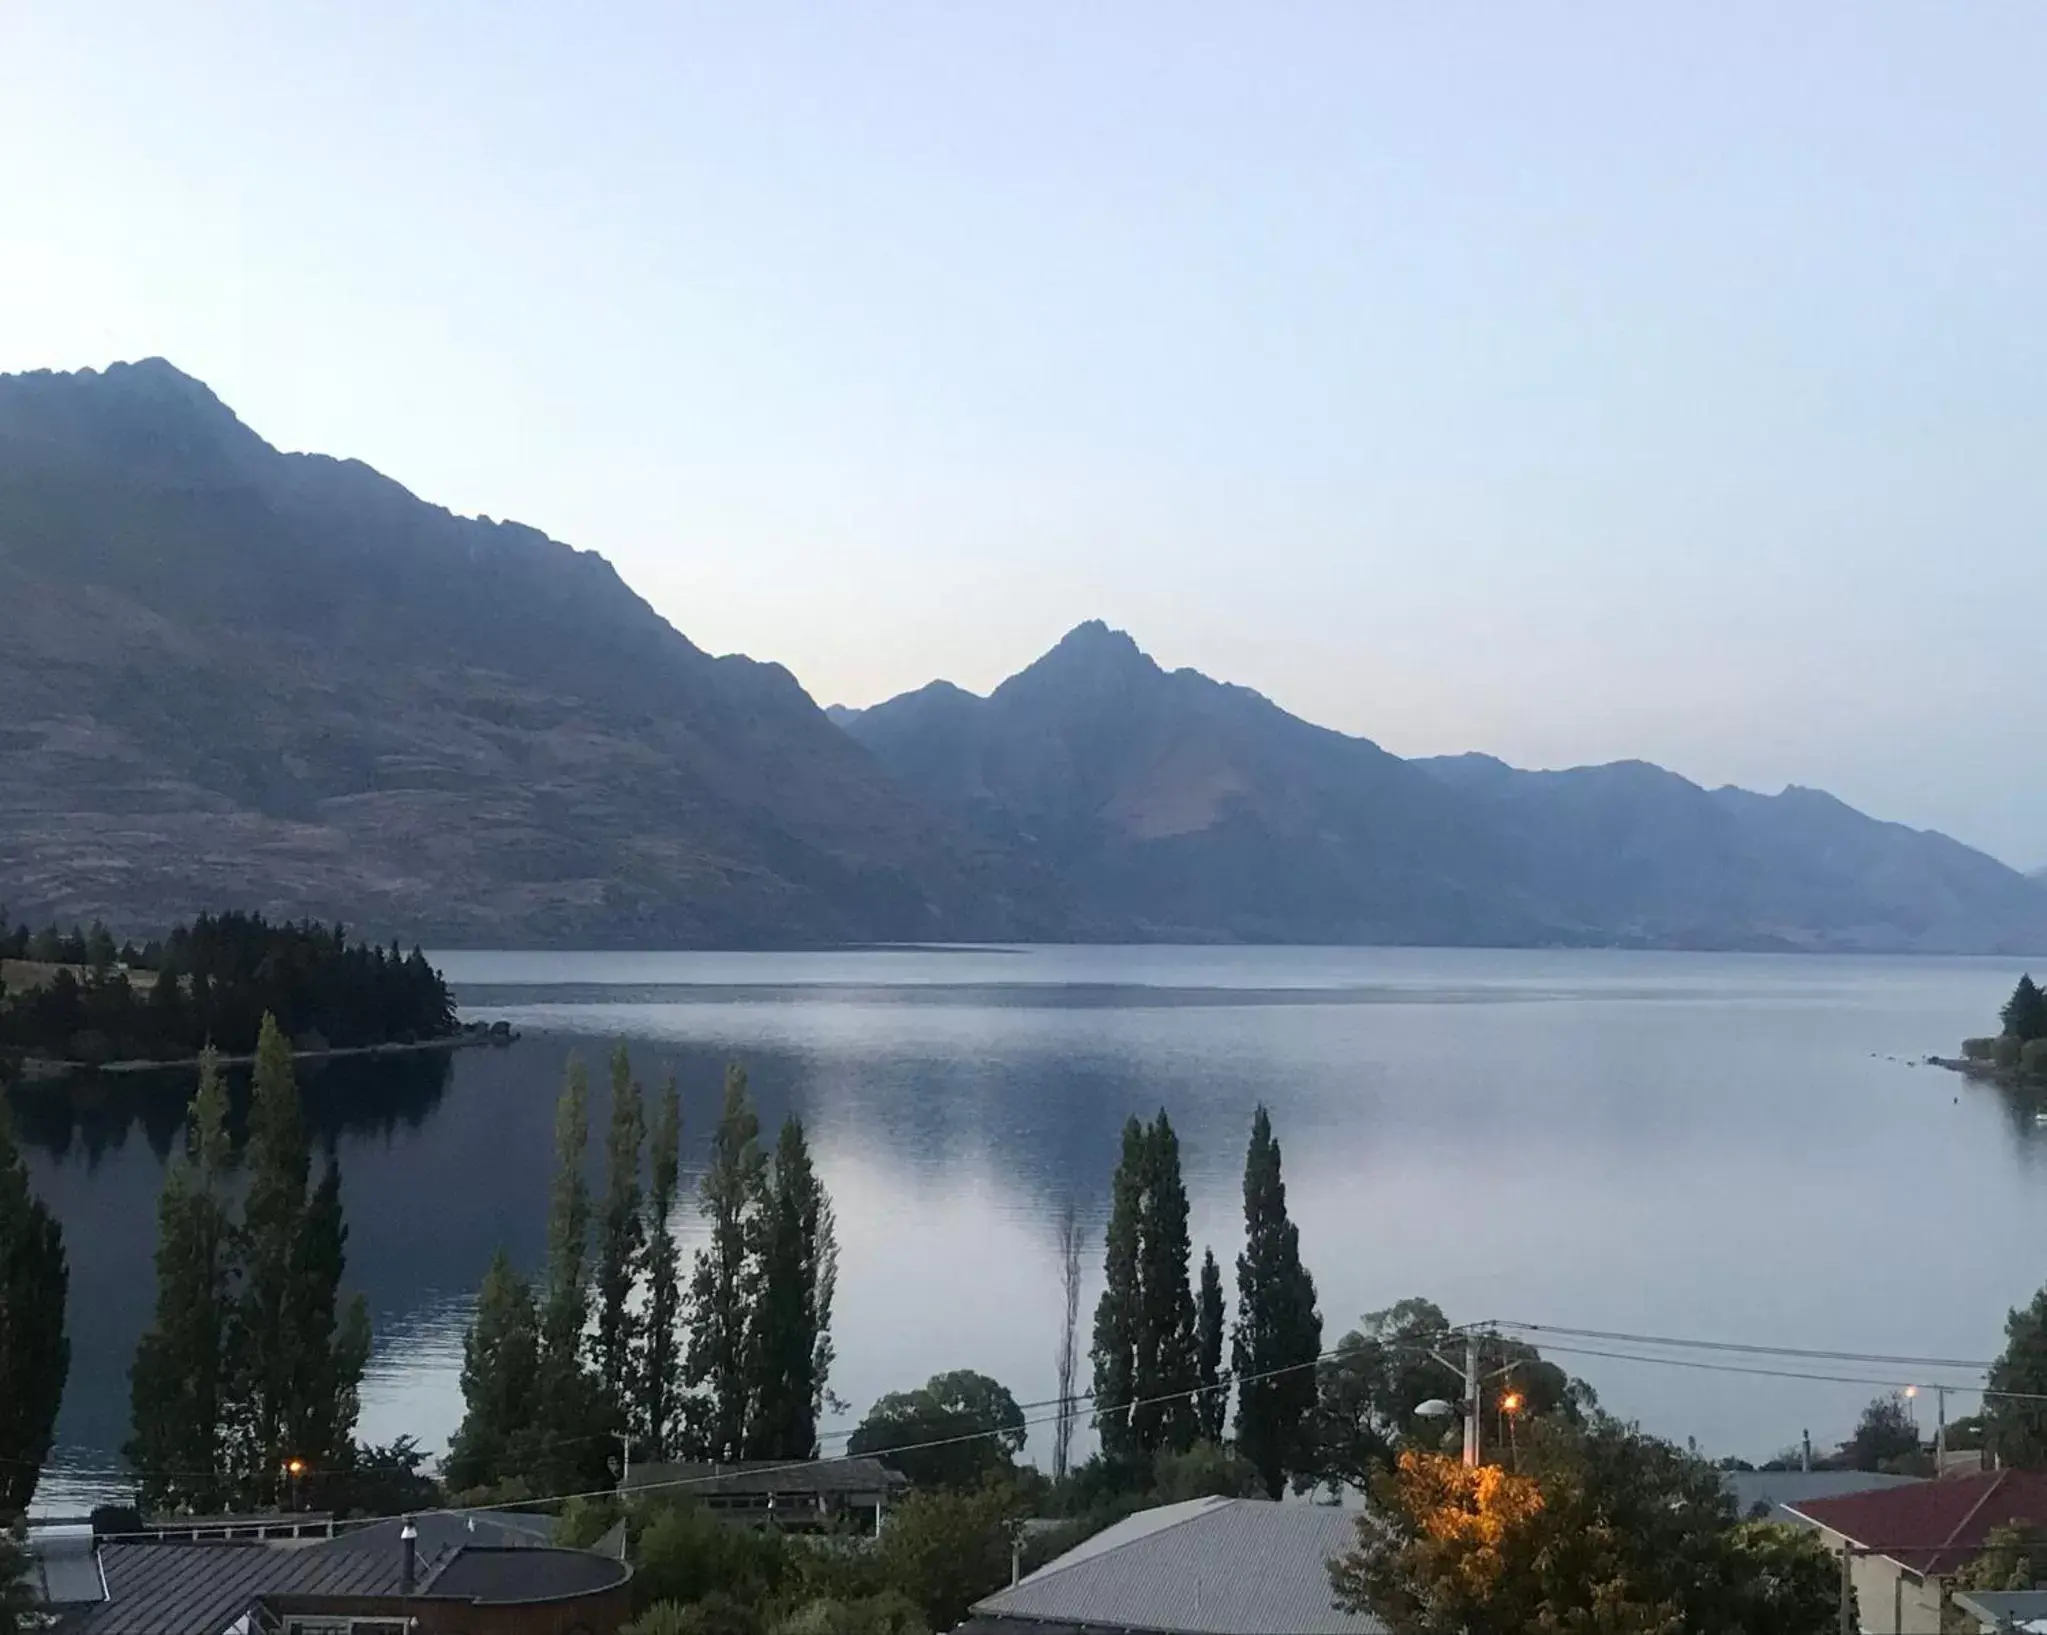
pixel 1932 1527
pixel 180 1589
pixel 2005 1609
pixel 859 1474
pixel 1205 1567
pixel 449 1530
pixel 1777 1491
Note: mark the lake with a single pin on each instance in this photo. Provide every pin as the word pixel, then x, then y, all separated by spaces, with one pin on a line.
pixel 1724 1147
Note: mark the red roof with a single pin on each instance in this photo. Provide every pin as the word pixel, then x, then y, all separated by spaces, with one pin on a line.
pixel 1932 1527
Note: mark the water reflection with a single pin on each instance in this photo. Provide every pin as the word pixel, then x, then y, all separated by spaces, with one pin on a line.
pixel 1725 1147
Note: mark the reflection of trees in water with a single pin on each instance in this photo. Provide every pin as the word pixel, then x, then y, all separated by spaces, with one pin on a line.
pixel 86 1118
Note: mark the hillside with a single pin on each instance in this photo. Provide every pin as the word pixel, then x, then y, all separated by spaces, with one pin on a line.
pixel 241 678
pixel 1170 805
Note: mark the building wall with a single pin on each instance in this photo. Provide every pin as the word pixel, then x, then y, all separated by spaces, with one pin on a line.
pixel 1892 1601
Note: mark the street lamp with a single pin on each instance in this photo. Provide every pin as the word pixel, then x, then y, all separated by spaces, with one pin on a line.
pixel 294 1468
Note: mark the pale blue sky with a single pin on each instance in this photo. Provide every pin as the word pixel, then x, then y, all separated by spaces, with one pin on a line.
pixel 1569 381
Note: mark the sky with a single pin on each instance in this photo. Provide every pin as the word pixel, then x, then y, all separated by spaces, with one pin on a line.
pixel 1568 381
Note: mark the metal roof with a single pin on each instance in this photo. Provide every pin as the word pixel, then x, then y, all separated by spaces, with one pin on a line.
pixel 1205 1567
pixel 449 1530
pixel 1932 1527
pixel 199 1589
pixel 1775 1490
pixel 2005 1609
pixel 491 1577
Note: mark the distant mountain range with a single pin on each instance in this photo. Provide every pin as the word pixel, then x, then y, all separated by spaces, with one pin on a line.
pixel 236 677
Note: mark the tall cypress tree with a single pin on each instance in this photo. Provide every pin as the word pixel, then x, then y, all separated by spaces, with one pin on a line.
pixel 35 1355
pixel 263 1342
pixel 1168 1369
pixel 659 1360
pixel 719 1363
pixel 177 1386
pixel 1116 1313
pixel 570 1420
pixel 621 1236
pixel 1278 1327
pixel 1213 1408
pixel 500 1382
pixel 297 1357
pixel 799 1269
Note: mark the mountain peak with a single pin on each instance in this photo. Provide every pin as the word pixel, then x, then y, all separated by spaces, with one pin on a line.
pixel 1088 657
pixel 149 417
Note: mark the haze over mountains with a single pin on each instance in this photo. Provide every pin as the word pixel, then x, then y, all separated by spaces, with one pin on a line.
pixel 241 677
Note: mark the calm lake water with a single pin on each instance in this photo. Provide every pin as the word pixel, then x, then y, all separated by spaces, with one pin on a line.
pixel 1724 1147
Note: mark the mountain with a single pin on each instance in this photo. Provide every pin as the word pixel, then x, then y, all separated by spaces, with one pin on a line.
pixel 1168 805
pixel 237 677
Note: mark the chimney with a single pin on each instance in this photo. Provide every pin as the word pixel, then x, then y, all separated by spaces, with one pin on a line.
pixel 408 1548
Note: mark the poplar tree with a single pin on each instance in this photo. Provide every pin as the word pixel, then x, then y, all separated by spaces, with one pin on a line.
pixel 719 1363
pixel 294 1357
pixel 571 1423
pixel 1279 1331
pixel 621 1237
pixel 500 1382
pixel 1116 1314
pixel 659 1361
pixel 792 1351
pixel 1213 1406
pixel 35 1355
pixel 1168 1370
pixel 177 1386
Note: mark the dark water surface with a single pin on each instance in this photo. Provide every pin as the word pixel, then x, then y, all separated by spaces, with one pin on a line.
pixel 1728 1147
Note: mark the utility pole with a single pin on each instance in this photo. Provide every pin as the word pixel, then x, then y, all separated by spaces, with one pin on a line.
pixel 1471 1402
pixel 1847 1588
pixel 1940 1430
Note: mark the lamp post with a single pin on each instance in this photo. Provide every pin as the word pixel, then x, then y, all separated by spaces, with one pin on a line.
pixel 1472 1403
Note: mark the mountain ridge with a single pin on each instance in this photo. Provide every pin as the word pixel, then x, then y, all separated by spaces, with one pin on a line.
pixel 240 677
pixel 1625 853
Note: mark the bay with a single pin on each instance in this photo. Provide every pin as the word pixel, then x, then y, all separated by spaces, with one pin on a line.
pixel 1728 1147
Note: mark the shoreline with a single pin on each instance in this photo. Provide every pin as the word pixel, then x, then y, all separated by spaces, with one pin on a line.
pixel 48 1070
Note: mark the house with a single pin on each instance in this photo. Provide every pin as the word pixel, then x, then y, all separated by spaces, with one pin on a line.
pixel 1907 1543
pixel 2024 1610
pixel 1205 1567
pixel 809 1496
pixel 373 1582
pixel 1768 1495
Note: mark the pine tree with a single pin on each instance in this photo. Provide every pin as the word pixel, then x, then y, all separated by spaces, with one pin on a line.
pixel 177 1386
pixel 792 1350
pixel 1116 1313
pixel 2025 1013
pixel 1279 1331
pixel 500 1382
pixel 659 1360
pixel 621 1237
pixel 1214 1407
pixel 726 1284
pixel 1168 1370
pixel 35 1354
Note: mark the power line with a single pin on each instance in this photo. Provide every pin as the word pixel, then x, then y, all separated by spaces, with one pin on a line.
pixel 1874 1358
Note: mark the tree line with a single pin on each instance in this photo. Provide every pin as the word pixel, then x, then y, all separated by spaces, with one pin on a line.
pixel 612 1347
pixel 249 1373
pixel 2021 1044
pixel 213 982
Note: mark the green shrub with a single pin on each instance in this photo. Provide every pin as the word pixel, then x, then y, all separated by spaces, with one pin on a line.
pixel 889 1613
pixel 2033 1058
pixel 688 1555
pixel 1978 1050
pixel 2005 1053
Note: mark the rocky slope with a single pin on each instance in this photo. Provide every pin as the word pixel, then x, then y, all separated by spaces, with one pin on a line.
pixel 240 677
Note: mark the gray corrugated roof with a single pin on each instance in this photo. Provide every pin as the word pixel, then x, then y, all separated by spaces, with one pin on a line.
pixel 1206 1567
pixel 491 1576
pixel 63 1570
pixel 198 1589
pixel 449 1530
pixel 1777 1488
